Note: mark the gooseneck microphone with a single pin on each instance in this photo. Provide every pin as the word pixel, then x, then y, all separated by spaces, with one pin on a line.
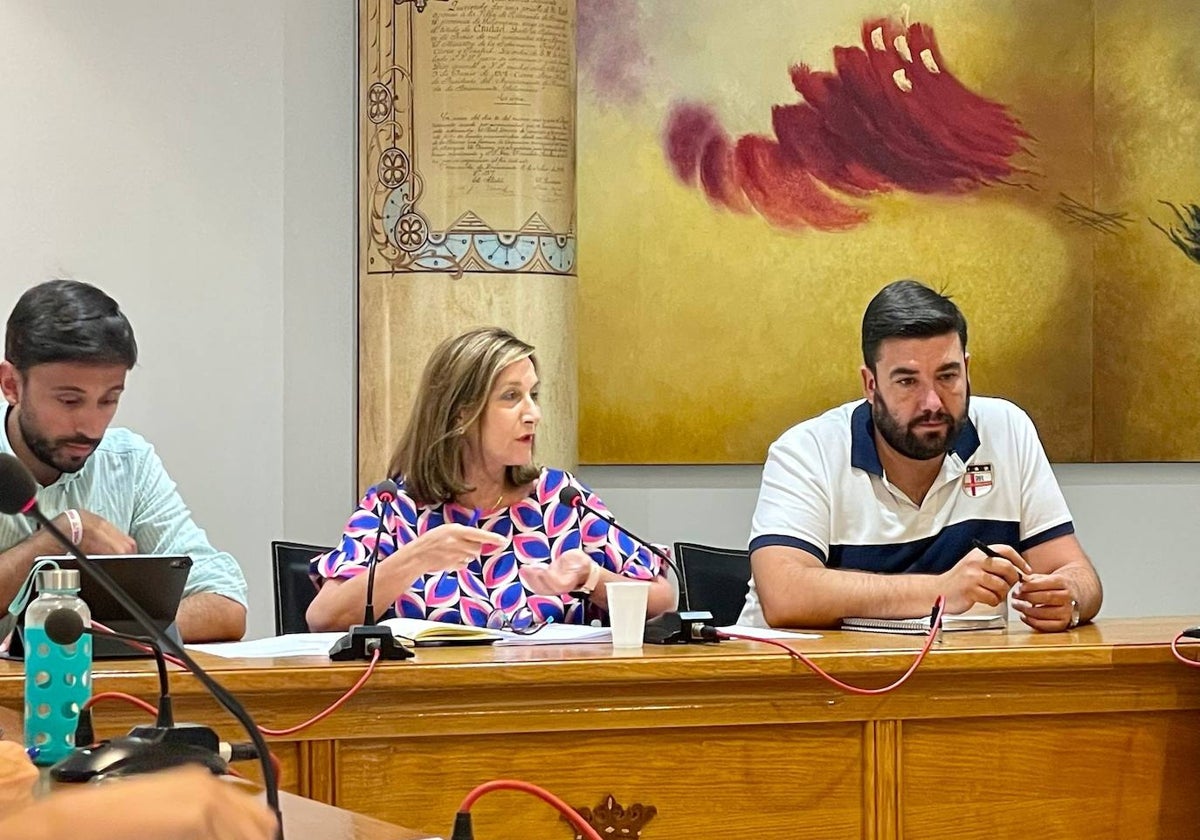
pixel 365 639
pixel 670 628
pixel 571 497
pixel 385 493
pixel 18 495
pixel 65 627
pixel 145 748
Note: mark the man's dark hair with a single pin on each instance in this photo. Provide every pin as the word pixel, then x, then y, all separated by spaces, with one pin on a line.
pixel 68 321
pixel 908 309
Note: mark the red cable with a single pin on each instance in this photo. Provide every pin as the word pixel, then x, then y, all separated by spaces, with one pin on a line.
pixel 1191 663
pixel 337 704
pixel 546 796
pixel 273 733
pixel 120 695
pixel 934 628
pixel 143 648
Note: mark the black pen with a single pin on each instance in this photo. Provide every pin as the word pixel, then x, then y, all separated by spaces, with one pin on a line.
pixel 991 552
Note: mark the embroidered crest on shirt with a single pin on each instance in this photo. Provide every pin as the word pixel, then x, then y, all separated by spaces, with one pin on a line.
pixel 978 480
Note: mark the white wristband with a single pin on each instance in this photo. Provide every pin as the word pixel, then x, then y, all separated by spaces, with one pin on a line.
pixel 76 523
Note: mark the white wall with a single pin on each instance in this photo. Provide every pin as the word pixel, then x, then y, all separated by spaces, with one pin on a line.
pixel 197 161
pixel 1140 523
pixel 318 270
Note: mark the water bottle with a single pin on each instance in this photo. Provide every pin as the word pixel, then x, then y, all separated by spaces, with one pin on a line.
pixel 58 678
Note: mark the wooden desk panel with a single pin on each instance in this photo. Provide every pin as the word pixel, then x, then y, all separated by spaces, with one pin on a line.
pixel 735 781
pixel 1107 711
pixel 1118 776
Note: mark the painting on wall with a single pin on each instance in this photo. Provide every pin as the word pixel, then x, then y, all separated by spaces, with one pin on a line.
pixel 750 174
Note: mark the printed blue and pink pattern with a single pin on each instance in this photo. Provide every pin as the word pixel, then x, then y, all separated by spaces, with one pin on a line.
pixel 531 531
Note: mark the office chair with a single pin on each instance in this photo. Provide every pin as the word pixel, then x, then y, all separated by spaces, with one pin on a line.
pixel 294 589
pixel 715 579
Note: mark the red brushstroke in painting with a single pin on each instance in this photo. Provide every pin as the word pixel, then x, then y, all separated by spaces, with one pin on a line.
pixel 890 116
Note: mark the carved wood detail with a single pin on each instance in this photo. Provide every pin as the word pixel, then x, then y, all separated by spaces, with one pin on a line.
pixel 611 819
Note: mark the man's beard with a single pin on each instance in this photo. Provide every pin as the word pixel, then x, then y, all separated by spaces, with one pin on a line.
pixel 47 451
pixel 911 444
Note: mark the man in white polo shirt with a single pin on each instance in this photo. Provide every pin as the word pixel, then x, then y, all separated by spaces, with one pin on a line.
pixel 873 508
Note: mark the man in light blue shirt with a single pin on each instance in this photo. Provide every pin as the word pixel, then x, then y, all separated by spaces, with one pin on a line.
pixel 68 348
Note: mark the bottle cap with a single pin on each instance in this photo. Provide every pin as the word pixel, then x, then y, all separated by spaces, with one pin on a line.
pixel 58 580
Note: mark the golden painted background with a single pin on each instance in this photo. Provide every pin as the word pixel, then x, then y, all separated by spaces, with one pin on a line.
pixel 703 334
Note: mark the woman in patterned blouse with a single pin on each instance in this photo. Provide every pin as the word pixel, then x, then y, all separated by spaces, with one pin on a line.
pixel 477 534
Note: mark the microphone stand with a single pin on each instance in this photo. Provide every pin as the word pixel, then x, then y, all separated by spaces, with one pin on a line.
pixel 361 642
pixel 170 744
pixel 677 627
pixel 97 572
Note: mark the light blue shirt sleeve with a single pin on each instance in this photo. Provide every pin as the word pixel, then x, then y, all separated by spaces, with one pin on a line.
pixel 162 524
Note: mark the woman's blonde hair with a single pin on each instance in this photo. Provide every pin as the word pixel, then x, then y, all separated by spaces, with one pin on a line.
pixel 454 390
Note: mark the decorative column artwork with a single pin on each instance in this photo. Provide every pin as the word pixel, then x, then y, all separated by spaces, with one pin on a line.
pixel 467 198
pixel 470 136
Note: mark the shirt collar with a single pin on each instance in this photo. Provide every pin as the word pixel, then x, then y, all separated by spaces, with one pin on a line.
pixel 865 456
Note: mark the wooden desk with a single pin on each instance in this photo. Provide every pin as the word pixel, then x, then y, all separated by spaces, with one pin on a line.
pixel 1089 734
pixel 304 819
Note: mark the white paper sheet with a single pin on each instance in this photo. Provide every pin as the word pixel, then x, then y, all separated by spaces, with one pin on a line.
pixel 318 644
pixel 560 634
pixel 293 644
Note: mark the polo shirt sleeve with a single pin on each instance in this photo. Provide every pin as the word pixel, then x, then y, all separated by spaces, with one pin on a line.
pixel 793 507
pixel 1044 512
pixel 162 524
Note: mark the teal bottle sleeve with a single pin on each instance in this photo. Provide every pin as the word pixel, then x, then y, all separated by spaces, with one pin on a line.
pixel 58 678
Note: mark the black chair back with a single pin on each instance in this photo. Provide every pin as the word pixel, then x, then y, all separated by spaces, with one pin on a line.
pixel 715 579
pixel 294 589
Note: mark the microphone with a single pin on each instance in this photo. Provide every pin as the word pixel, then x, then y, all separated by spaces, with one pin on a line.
pixel 145 748
pixel 386 492
pixel 670 628
pixel 18 495
pixel 365 639
pixel 65 627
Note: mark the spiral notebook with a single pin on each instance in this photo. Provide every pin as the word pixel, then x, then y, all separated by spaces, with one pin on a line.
pixel 920 626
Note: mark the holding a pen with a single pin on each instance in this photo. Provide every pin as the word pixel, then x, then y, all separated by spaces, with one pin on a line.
pixel 984 577
pixel 996 555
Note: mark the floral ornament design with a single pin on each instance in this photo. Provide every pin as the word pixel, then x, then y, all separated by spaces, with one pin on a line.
pixel 420 4
pixel 412 231
pixel 393 168
pixel 379 102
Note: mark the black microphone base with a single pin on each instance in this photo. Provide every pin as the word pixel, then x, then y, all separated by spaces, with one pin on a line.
pixel 155 749
pixel 681 628
pixel 363 640
pixel 190 734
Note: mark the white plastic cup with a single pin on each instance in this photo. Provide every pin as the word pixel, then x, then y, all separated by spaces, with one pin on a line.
pixel 627 612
